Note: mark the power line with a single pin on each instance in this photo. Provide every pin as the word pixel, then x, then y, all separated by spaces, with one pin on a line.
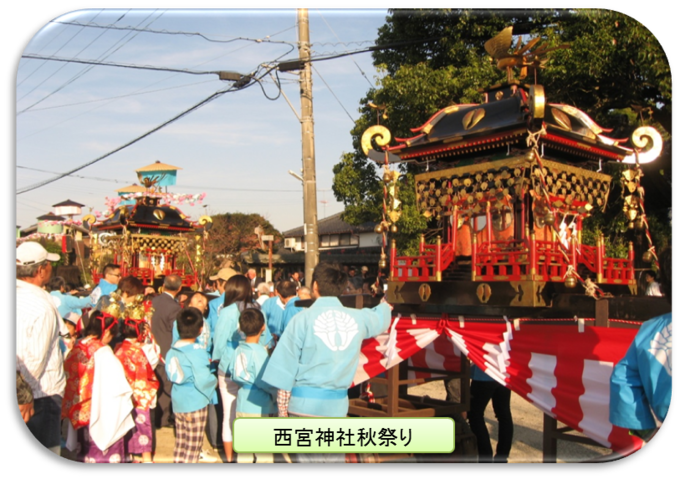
pixel 121 96
pixel 159 81
pixel 132 142
pixel 104 55
pixel 333 93
pixel 121 65
pixel 58 49
pixel 345 45
pixel 169 32
pixel 334 55
pixel 119 181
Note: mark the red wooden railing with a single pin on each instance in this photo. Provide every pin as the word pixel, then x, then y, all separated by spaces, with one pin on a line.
pixel 511 260
pixel 427 266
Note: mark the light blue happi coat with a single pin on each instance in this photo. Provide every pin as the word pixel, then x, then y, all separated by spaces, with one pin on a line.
pixel 317 355
pixel 254 395
pixel 227 336
pixel 273 311
pixel 640 386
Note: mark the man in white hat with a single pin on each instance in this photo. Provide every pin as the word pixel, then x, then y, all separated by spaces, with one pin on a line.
pixel 39 357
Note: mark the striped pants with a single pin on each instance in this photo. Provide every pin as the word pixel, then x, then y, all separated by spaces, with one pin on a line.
pixel 189 432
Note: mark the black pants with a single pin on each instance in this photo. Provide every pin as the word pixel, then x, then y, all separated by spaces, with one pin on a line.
pixel 481 393
pixel 163 412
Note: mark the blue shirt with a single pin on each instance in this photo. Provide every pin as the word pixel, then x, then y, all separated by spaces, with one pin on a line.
pixel 476 374
pixel 67 303
pixel 254 395
pixel 227 336
pixel 104 288
pixel 317 355
pixel 641 382
pixel 214 311
pixel 188 368
pixel 273 311
pixel 204 339
pixel 290 311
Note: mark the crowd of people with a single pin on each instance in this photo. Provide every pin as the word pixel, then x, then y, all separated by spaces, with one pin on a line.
pixel 101 373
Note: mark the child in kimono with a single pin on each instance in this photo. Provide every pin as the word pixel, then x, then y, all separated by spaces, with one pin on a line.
pixel 97 400
pixel 188 368
pixel 142 379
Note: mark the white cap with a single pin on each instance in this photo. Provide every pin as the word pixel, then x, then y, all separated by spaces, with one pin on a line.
pixel 30 252
pixel 224 274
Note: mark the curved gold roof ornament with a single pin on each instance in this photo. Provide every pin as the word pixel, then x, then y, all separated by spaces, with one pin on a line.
pixel 641 139
pixel 377 133
pixel 88 221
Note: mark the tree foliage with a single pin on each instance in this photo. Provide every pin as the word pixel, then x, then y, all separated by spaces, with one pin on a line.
pixel 232 234
pixel 615 70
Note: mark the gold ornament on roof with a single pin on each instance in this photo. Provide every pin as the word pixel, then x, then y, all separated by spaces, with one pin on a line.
pixel 523 57
pixel 377 133
pixel 150 182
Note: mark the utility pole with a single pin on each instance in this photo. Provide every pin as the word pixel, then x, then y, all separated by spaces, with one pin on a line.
pixel 308 162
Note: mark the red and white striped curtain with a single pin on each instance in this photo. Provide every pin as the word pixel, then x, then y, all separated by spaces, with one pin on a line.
pixel 563 370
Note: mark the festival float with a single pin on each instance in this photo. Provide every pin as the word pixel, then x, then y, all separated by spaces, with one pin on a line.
pixel 503 278
pixel 146 234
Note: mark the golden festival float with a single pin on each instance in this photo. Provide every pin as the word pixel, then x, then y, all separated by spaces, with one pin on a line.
pixel 147 235
pixel 503 278
pixel 509 183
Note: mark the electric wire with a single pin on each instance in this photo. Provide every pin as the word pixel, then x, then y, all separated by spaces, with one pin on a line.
pixel 119 181
pixel 22 65
pixel 169 32
pixel 103 56
pixel 198 105
pixel 57 51
pixel 333 93
pixel 345 45
pixel 131 142
pixel 118 97
pixel 121 65
pixel 159 81
pixel 277 83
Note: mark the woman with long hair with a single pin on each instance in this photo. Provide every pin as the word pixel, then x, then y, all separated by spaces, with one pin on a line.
pixel 238 296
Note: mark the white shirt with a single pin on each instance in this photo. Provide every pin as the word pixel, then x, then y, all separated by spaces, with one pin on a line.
pixel 39 358
pixel 653 289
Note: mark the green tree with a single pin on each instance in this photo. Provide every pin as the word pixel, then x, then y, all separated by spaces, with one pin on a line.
pixel 614 70
pixel 232 234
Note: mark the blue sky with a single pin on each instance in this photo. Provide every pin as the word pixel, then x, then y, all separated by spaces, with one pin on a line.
pixel 237 149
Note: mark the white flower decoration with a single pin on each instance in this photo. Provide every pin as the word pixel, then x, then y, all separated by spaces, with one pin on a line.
pixel 332 326
pixel 661 347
